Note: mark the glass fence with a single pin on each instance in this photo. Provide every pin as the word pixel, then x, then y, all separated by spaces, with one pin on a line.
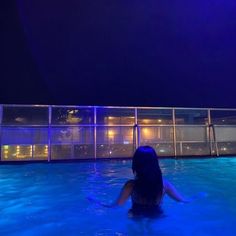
pixel 35 132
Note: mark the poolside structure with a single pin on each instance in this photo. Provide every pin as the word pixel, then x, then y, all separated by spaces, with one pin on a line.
pixel 50 132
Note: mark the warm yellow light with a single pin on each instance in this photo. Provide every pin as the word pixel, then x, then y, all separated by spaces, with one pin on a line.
pixel 6 147
pixel 145 130
pixel 110 133
pixel 146 121
pixel 111 118
pixel 159 120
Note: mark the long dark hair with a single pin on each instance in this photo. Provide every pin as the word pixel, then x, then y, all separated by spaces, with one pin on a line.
pixel 148 183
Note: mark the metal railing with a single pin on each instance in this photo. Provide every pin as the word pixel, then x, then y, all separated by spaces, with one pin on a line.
pixel 40 132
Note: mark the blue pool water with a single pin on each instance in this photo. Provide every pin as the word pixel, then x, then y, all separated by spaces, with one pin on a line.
pixel 50 199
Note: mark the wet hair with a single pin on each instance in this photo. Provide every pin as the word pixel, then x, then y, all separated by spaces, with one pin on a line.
pixel 148 184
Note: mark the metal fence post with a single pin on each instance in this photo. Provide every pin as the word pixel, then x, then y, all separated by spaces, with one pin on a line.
pixel 1 115
pixel 209 130
pixel 136 136
pixel 174 132
pixel 49 132
pixel 95 132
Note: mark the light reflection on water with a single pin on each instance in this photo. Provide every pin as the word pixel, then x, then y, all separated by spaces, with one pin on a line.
pixel 50 199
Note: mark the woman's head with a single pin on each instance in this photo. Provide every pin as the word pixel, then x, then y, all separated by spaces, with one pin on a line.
pixel 148 174
pixel 145 160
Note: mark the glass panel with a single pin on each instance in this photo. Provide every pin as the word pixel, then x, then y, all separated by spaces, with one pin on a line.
pixel 24 135
pixel 40 152
pixel 72 115
pixel 191 117
pixel 155 116
pixel 192 133
pixel 25 115
pixel 160 138
pixel 24 143
pixel 72 142
pixel 61 151
pixel 227 148
pixel 192 148
pixel 114 116
pixel 114 141
pixel 24 152
pixel 219 117
pixel 224 134
pixel 192 140
pixel 74 151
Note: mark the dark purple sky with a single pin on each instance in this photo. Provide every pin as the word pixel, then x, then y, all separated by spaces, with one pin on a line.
pixel 142 53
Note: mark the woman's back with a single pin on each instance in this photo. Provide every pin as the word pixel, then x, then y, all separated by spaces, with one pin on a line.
pixel 143 206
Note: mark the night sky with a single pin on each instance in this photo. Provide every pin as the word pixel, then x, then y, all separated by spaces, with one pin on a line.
pixel 118 52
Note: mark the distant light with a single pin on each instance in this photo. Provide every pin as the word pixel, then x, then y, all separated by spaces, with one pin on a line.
pixel 159 120
pixel 126 142
pixel 146 121
pixel 111 133
pixel 224 149
pixel 162 150
pixel 110 152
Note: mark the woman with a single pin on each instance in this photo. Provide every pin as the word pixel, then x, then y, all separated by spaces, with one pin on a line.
pixel 148 187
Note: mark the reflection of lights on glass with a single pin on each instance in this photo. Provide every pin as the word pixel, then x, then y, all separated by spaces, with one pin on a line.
pixel 17 150
pixel 146 132
pixel 46 149
pixel 111 133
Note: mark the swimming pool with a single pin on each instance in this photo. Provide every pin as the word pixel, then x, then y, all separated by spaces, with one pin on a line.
pixel 50 199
